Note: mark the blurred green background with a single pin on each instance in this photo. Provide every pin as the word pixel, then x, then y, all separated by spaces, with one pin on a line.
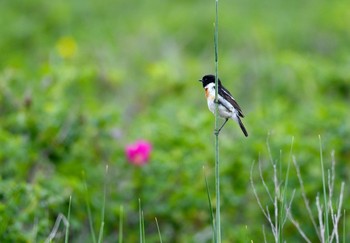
pixel 79 80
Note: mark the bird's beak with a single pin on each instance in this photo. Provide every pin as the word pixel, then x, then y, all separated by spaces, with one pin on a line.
pixel 200 80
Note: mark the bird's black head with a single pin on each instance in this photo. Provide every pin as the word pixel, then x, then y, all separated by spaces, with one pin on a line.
pixel 207 79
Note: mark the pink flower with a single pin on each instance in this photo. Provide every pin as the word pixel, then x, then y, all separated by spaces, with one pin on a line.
pixel 139 152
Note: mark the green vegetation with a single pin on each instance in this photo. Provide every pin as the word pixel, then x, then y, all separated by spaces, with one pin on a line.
pixel 79 80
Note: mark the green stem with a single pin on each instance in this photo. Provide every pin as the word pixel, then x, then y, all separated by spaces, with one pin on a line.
pixel 326 235
pixel 142 224
pixel 121 225
pixel 93 236
pixel 210 209
pixel 68 219
pixel 217 164
pixel 159 234
pixel 100 237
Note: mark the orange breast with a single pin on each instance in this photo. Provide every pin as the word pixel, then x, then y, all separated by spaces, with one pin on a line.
pixel 206 92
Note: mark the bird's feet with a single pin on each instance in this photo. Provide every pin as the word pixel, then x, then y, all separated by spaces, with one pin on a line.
pixel 217 132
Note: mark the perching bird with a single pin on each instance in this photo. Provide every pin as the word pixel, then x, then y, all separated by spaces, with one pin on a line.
pixel 227 107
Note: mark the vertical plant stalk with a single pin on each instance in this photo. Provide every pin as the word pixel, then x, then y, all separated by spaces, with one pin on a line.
pixel 121 224
pixel 326 233
pixel 68 219
pixel 344 227
pixel 210 208
pixel 100 235
pixel 93 236
pixel 141 224
pixel 217 167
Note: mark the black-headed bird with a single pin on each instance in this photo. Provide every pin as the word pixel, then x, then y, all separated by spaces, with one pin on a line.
pixel 227 105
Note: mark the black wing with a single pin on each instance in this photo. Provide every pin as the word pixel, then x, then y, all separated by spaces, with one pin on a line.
pixel 227 96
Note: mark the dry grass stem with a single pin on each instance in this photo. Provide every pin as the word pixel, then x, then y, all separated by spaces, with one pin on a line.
pixel 54 230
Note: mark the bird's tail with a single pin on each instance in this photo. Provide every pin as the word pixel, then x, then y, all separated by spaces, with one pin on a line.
pixel 241 125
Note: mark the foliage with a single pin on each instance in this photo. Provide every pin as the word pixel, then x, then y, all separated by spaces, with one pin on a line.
pixel 79 80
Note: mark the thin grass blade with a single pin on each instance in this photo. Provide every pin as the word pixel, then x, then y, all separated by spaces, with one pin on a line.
pixel 68 220
pixel 121 224
pixel 141 224
pixel 100 235
pixel 326 236
pixel 210 208
pixel 159 234
pixel 93 236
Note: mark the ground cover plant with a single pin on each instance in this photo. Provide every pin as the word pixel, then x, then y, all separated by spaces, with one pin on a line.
pixel 81 81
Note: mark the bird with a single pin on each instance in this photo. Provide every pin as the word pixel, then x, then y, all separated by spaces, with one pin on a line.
pixel 227 105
